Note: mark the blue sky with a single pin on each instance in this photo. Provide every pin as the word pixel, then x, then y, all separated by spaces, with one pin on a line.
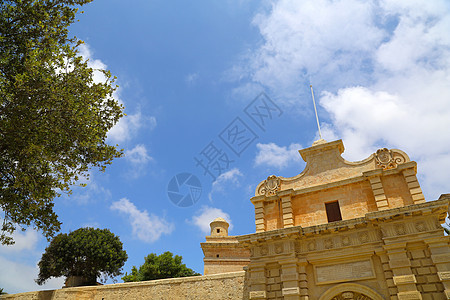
pixel 189 71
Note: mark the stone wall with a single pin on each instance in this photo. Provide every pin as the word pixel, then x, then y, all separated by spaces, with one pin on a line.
pixel 218 286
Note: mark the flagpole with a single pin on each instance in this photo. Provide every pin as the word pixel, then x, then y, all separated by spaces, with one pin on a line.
pixel 315 110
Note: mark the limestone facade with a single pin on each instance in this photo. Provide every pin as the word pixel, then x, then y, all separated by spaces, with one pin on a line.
pixel 348 230
pixel 223 253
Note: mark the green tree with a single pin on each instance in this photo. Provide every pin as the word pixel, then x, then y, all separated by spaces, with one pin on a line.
pixel 87 252
pixel 159 267
pixel 2 292
pixel 53 117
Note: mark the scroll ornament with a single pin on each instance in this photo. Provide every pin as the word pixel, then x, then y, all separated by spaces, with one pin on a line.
pixel 386 159
pixel 270 186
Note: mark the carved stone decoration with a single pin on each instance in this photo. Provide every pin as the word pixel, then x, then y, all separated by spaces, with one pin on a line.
pixel 400 229
pixel 270 186
pixel 351 296
pixel 264 250
pixel 385 159
pixel 345 240
pixel 278 248
pixel 420 226
pixel 388 159
pixel 311 246
pixel 363 237
pixel 328 244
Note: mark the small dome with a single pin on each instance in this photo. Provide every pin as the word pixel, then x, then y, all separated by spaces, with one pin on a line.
pixel 219 219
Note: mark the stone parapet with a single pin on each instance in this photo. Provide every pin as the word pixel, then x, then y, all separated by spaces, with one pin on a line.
pixel 218 286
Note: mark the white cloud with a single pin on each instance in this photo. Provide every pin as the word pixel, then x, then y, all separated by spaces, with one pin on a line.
pixel 385 66
pixel 138 155
pixel 206 215
pixel 276 156
pixel 230 176
pixel 23 241
pixel 139 158
pixel 311 39
pixel 96 64
pixel 129 125
pixel 147 228
pixel 20 278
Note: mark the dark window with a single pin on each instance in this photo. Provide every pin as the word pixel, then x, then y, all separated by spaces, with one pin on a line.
pixel 333 211
pixel 218 230
pixel 217 255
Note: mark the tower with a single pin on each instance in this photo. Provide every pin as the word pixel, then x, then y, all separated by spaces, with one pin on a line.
pixel 223 253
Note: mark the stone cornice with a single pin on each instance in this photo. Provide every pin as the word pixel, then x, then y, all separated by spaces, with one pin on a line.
pixel 440 207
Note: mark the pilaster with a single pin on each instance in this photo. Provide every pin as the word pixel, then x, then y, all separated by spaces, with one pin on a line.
pixel 260 217
pixel 290 279
pixel 440 255
pixel 378 192
pixel 403 277
pixel 288 216
pixel 413 185
pixel 257 279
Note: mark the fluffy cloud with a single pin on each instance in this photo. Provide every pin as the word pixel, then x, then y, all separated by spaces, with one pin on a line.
pixel 20 276
pixel 138 155
pixel 230 176
pixel 129 125
pixel 276 156
pixel 23 241
pixel 385 66
pixel 206 215
pixel 147 228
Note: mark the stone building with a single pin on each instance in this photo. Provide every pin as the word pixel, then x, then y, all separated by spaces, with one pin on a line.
pixel 222 252
pixel 339 230
pixel 348 230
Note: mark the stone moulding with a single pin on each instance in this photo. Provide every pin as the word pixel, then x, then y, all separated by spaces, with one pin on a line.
pixel 330 167
pixel 439 207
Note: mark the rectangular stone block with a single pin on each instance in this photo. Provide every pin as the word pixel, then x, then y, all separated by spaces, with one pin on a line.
pixel 382 203
pixel 404 279
pixel 413 295
pixel 257 295
pixel 275 287
pixel 377 186
pixel 423 271
pixel 416 190
pixel 413 184
pixel 288 216
pixel 291 291
pixel 429 287
pixel 274 272
pixel 417 254
pixel 287 210
pixel 289 277
pixel 409 172
pixel 344 271
pixel 377 192
pixel 259 221
pixel 432 278
pixel 399 263
pixel 259 216
pixel 259 210
pixel 441 258
pixel 380 197
pixel 444 276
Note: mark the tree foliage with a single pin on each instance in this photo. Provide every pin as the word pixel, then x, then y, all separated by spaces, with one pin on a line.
pixel 159 267
pixel 53 117
pixel 87 252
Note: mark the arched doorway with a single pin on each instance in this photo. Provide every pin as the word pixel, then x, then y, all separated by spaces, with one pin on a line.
pixel 350 291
